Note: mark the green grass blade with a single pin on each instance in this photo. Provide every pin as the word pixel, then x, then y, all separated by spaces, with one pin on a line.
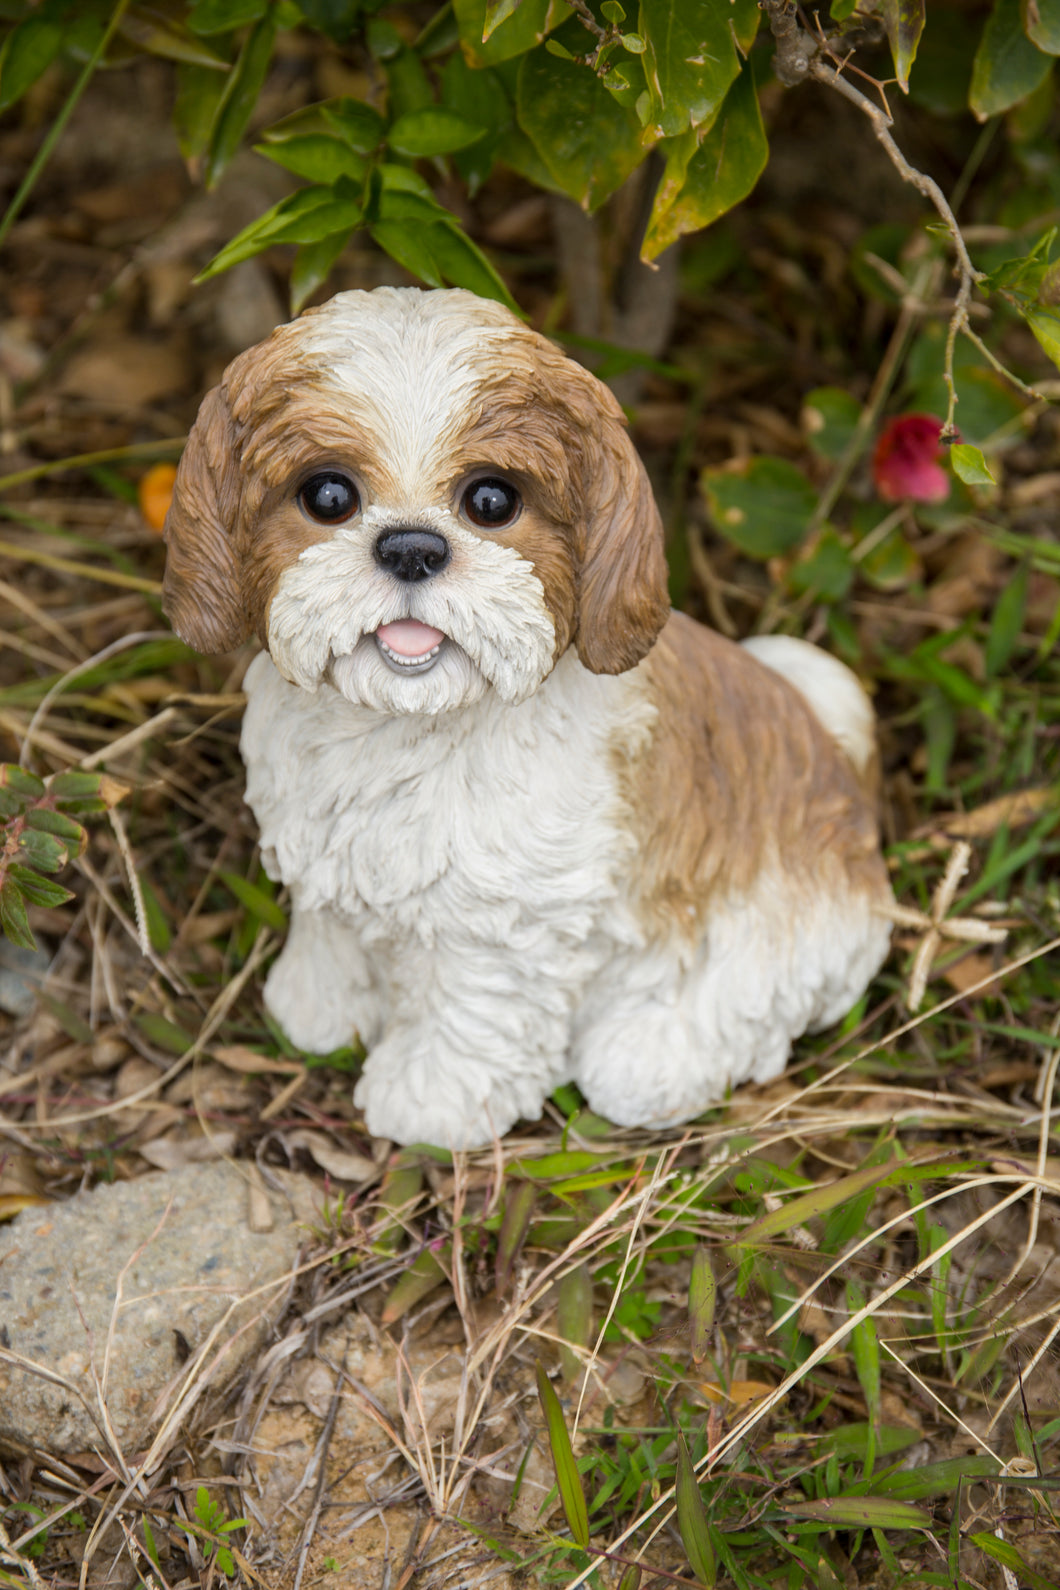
pixel 702 1297
pixel 816 1202
pixel 256 901
pixel 861 1512
pixel 568 1480
pixel 692 1520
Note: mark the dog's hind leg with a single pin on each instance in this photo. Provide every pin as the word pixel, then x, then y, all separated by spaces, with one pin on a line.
pixel 320 990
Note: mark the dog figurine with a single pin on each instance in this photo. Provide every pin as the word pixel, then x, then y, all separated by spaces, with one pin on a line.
pixel 536 827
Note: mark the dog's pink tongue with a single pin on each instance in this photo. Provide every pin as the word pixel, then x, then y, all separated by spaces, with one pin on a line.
pixel 408 637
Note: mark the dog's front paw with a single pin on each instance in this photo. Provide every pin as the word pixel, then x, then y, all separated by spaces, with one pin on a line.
pixel 320 990
pixel 315 1018
pixel 410 1092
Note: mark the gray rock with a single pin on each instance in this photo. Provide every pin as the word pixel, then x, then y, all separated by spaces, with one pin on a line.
pixel 181 1249
pixel 21 974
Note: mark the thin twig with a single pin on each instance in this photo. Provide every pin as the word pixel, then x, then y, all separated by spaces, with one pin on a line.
pixel 798 57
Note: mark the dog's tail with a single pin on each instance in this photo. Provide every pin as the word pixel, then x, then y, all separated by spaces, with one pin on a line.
pixel 833 693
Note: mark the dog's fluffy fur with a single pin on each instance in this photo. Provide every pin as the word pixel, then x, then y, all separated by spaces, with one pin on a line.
pixel 591 840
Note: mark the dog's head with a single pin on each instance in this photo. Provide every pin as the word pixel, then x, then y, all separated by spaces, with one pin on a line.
pixel 411 496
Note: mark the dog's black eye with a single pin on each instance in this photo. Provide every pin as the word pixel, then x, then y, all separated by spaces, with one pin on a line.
pixel 329 497
pixel 491 503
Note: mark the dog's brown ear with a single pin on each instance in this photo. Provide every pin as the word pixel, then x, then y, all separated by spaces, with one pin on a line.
pixel 201 590
pixel 623 601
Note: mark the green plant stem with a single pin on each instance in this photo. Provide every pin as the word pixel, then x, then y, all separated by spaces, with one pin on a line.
pixel 110 455
pixel 57 128
pixel 885 378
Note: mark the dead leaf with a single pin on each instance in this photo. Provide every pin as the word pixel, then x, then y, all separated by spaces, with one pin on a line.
pixel 737 1394
pixel 174 1153
pixel 12 1204
pixel 126 372
pixel 259 1209
pixel 340 1163
pixel 1014 810
pixel 970 971
pixel 237 1057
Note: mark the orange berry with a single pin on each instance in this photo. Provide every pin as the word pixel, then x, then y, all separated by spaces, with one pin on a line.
pixel 156 493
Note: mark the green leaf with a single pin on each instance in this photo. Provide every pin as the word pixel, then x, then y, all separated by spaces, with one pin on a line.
pixel 423 1276
pixel 1045 323
pixel 384 39
pixel 568 1162
pixel 44 851
pixel 195 108
pixel 409 242
pixel 765 510
pixel 934 1479
pixel 866 1349
pixel 524 26
pixel 860 1512
pixel 432 131
pixel 166 37
pixel 827 573
pixel 223 16
pixel 1004 1552
pixel 158 931
pixel 497 11
pixel 518 1212
pixel 255 900
pixel 241 94
pixel 312 266
pixel 690 61
pixel 36 890
pixel 904 21
pixel 73 785
pixel 429 242
pixel 589 143
pixel 970 466
pixel 480 97
pixel 717 175
pixel 1007 622
pixel 358 123
pixel 28 52
pixel 304 217
pixel 21 782
pixel 702 1298
pixel 692 1520
pixel 65 828
pixel 1007 66
pixel 336 18
pixel 463 264
pixel 1041 23
pixel 316 156
pixel 164 1034
pixel 14 922
pixel 830 417
pixel 574 1317
pixel 852 1441
pixel 818 1201
pixel 568 1480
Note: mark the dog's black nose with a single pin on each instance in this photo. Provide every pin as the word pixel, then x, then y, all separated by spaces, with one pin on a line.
pixel 411 555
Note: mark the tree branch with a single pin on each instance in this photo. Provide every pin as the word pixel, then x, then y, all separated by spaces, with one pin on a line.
pixel 800 56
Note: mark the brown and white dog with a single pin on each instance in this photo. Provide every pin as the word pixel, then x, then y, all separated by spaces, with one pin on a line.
pixel 535 826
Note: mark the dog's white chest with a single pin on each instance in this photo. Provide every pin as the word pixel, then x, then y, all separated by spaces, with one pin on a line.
pixel 495 825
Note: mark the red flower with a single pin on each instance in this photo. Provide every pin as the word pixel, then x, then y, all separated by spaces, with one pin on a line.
pixel 905 464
